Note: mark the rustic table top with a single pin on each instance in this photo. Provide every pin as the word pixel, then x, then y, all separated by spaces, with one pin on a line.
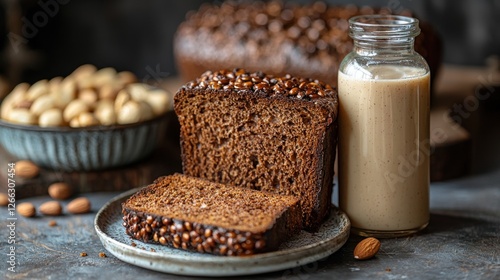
pixel 462 240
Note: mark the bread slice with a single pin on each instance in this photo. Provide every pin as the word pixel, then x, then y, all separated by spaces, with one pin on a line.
pixel 197 215
pixel 275 134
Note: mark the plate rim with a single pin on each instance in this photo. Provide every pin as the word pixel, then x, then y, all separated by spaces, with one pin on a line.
pixel 116 247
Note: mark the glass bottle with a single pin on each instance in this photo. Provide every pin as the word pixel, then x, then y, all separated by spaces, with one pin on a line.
pixel 384 147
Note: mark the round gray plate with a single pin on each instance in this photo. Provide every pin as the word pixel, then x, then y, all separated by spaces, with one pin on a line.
pixel 301 249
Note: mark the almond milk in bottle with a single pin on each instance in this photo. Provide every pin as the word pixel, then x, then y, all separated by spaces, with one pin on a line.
pixel 384 97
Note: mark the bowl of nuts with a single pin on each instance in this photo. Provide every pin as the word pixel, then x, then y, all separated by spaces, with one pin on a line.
pixel 90 120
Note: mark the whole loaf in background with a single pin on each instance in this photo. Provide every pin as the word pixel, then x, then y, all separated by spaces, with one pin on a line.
pixel 305 40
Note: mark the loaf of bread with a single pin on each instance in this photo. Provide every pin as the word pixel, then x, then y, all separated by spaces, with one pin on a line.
pixel 274 134
pixel 305 40
pixel 197 215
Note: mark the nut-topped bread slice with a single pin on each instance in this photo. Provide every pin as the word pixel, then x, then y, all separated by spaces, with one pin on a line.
pixel 197 215
pixel 275 134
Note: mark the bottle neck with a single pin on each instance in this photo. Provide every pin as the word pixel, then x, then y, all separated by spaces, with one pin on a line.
pixel 399 46
pixel 383 34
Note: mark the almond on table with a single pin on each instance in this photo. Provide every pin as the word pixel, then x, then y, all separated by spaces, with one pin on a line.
pixel 26 209
pixel 26 169
pixel 4 199
pixel 60 191
pixel 79 205
pixel 51 208
pixel 367 248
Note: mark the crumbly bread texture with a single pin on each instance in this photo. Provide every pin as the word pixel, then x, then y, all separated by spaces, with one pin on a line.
pixel 308 40
pixel 197 215
pixel 274 134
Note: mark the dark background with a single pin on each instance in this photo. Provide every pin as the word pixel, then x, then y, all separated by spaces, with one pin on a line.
pixel 42 39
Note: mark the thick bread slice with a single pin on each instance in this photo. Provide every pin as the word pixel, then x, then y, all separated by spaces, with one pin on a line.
pixel 197 215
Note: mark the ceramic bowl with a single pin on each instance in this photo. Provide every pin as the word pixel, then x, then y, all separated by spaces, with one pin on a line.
pixel 83 149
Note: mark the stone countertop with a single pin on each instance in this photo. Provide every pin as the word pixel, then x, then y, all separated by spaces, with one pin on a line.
pixel 462 241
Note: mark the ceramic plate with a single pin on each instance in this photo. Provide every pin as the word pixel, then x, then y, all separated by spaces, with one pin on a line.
pixel 302 249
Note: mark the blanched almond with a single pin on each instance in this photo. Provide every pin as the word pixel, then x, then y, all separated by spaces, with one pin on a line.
pixel 37 89
pixel 21 116
pixel 75 108
pixel 51 117
pixel 42 104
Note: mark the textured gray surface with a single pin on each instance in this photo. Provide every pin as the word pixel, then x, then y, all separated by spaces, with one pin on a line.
pixel 461 242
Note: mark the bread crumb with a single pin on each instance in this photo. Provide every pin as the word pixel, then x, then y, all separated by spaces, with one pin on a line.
pixel 102 255
pixel 133 244
pixel 83 254
pixel 52 223
pixel 388 269
pixel 152 250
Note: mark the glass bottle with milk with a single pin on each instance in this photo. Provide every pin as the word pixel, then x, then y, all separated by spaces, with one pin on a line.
pixel 384 148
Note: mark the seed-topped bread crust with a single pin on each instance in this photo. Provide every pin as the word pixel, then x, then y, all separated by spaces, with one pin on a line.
pixel 240 79
pixel 198 215
pixel 275 134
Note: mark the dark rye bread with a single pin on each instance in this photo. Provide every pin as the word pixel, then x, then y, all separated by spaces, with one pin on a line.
pixel 197 215
pixel 275 134
pixel 308 40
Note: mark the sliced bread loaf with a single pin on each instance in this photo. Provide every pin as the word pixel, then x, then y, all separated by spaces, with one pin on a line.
pixel 197 215
pixel 275 134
